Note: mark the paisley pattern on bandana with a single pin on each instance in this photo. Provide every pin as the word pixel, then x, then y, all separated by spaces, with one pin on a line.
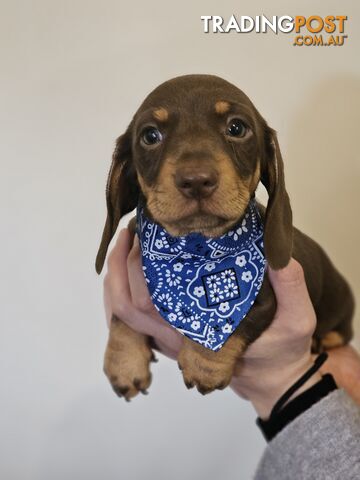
pixel 204 287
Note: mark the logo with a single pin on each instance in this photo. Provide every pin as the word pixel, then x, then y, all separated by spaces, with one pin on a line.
pixel 313 30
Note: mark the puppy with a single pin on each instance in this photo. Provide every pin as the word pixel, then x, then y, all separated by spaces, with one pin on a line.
pixel 194 154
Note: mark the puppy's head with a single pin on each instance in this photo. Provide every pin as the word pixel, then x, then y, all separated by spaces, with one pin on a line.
pixel 195 151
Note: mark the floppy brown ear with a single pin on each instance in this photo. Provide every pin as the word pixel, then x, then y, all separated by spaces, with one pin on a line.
pixel 278 229
pixel 122 193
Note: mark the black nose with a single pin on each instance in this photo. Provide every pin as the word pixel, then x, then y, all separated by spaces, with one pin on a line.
pixel 196 183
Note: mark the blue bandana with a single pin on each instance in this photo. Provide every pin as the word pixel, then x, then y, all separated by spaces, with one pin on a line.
pixel 202 286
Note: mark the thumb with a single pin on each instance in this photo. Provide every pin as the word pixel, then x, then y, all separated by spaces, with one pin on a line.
pixel 290 289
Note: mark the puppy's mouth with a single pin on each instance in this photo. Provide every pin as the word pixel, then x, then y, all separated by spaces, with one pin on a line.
pixel 209 218
pixel 204 223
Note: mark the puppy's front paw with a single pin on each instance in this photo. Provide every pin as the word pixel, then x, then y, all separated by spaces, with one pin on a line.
pixel 128 372
pixel 206 373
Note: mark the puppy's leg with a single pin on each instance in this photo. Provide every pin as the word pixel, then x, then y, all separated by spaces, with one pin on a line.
pixel 127 355
pixel 127 358
pixel 208 370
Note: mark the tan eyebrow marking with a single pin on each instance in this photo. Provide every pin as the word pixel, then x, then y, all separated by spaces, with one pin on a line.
pixel 222 107
pixel 161 114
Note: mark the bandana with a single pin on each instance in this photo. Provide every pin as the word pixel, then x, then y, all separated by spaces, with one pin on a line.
pixel 202 286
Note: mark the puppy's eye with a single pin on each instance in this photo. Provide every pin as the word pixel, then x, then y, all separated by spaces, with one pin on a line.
pixel 151 136
pixel 236 128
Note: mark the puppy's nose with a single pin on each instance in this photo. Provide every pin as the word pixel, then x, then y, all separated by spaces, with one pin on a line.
pixel 196 183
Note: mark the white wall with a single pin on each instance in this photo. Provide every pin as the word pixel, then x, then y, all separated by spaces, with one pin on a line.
pixel 72 74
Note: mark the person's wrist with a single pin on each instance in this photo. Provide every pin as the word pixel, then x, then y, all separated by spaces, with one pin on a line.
pixel 264 388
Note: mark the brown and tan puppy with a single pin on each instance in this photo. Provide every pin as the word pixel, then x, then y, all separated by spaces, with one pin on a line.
pixel 195 152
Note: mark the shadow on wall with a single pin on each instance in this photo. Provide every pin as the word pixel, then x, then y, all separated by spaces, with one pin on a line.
pixel 323 172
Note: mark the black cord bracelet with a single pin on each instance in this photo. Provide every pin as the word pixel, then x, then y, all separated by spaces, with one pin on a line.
pixel 299 383
pixel 282 415
pixel 296 407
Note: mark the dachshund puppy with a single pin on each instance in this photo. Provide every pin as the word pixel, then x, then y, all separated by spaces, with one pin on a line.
pixel 194 154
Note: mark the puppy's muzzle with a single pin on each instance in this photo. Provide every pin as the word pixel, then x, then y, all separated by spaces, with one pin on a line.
pixel 196 183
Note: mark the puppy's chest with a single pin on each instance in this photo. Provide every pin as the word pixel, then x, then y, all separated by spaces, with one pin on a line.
pixel 204 287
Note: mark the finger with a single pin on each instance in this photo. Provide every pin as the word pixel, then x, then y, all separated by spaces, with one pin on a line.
pixel 107 305
pixel 289 285
pixel 169 337
pixel 153 325
pixel 135 271
pixel 165 350
pixel 116 283
pixel 292 296
pixel 295 318
pixel 138 289
pixel 166 337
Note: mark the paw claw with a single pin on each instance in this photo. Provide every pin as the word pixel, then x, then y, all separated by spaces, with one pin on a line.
pixel 129 378
pixel 203 390
pixel 189 384
pixel 206 374
pixel 120 391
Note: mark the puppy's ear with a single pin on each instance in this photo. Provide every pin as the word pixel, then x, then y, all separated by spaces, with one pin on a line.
pixel 122 192
pixel 278 229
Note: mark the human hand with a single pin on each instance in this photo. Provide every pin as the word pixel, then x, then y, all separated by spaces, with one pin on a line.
pixel 281 354
pixel 270 365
